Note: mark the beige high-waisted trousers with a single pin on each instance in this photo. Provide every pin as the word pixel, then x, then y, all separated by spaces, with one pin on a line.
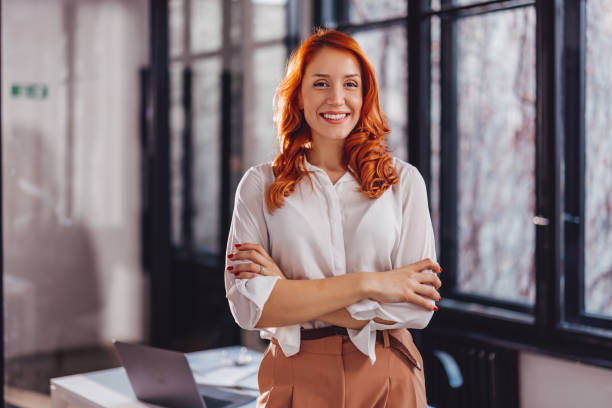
pixel 332 372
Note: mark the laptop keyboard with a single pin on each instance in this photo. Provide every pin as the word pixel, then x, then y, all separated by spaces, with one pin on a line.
pixel 215 402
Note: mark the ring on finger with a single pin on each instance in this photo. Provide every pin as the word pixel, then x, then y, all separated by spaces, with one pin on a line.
pixel 261 268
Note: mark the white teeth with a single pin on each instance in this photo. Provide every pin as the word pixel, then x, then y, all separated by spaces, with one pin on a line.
pixel 335 117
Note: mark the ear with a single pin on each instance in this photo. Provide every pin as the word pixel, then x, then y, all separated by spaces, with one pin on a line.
pixel 300 101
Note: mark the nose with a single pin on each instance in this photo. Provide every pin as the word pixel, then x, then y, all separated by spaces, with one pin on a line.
pixel 336 96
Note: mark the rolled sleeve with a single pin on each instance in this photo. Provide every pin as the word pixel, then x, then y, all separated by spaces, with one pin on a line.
pixel 406 315
pixel 247 297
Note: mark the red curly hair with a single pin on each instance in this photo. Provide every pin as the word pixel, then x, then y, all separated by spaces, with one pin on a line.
pixel 365 151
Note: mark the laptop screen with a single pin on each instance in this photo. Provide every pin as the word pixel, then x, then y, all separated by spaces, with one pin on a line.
pixel 163 377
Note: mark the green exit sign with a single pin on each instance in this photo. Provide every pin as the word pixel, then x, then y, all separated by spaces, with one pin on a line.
pixel 31 91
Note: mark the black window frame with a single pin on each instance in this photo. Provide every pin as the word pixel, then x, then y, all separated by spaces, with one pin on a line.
pixel 231 110
pixel 557 323
pixel 500 313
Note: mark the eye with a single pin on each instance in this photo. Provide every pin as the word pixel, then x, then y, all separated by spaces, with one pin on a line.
pixel 320 84
pixel 352 84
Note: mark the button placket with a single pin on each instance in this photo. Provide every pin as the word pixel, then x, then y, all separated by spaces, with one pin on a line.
pixel 337 238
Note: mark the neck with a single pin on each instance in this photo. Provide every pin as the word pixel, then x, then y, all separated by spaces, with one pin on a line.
pixel 327 154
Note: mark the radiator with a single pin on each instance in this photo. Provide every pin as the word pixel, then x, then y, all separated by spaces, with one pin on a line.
pixel 465 373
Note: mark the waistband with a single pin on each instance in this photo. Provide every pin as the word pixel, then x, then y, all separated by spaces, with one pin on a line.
pixel 389 338
pixel 313 334
pixel 382 336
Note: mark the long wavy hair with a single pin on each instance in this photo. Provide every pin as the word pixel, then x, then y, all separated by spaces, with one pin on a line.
pixel 366 153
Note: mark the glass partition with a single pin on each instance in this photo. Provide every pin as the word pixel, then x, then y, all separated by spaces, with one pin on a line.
pixel 71 185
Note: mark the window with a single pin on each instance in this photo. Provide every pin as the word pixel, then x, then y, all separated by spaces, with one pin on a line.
pixel 598 172
pixel 588 195
pixel 386 49
pixel 508 239
pixel 361 11
pixel 483 127
pixel 508 108
pixel 219 75
pixel 380 29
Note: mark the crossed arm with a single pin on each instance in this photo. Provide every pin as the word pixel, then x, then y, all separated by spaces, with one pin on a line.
pixel 298 301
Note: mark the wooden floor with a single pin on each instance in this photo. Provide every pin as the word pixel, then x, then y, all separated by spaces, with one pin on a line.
pixel 21 398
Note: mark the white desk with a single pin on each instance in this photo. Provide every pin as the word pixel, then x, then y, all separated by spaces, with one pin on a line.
pixel 111 388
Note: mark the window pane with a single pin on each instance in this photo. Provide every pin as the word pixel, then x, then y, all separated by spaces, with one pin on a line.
pixel 386 49
pixel 177 122
pixel 206 153
pixel 598 121
pixel 372 10
pixel 175 27
pixel 269 19
pixel 206 21
pixel 496 130
pixel 260 139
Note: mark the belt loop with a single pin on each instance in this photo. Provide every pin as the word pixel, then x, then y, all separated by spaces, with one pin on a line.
pixel 386 338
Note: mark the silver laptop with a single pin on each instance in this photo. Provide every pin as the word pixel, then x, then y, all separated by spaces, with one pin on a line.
pixel 163 377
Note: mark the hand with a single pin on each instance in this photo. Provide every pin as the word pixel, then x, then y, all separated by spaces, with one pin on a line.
pixel 407 284
pixel 258 257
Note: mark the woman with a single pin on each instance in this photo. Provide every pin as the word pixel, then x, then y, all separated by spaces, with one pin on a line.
pixel 301 254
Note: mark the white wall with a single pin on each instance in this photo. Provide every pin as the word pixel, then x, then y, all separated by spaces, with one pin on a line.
pixel 551 382
pixel 71 175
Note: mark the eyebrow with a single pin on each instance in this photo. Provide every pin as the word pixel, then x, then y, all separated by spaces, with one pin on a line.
pixel 327 76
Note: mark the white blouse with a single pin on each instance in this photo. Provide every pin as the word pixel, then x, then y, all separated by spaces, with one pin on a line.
pixel 327 231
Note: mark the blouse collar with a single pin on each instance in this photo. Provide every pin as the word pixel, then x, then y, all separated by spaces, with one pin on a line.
pixel 311 167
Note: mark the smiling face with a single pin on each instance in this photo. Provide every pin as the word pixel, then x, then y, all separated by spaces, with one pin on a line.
pixel 331 94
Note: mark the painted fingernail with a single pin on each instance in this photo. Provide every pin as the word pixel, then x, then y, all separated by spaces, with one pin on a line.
pixel 440 269
pixel 230 255
pixel 237 245
pixel 229 268
pixel 436 308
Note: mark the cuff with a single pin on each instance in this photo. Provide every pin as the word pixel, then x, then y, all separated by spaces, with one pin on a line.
pixel 247 298
pixel 367 309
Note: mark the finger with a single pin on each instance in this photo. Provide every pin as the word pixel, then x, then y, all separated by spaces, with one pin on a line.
pixel 424 263
pixel 249 255
pixel 246 275
pixel 419 266
pixel 427 291
pixel 244 267
pixel 421 301
pixel 428 278
pixel 251 246
pixel 428 264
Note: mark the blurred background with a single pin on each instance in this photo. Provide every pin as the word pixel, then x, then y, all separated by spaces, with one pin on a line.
pixel 127 124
